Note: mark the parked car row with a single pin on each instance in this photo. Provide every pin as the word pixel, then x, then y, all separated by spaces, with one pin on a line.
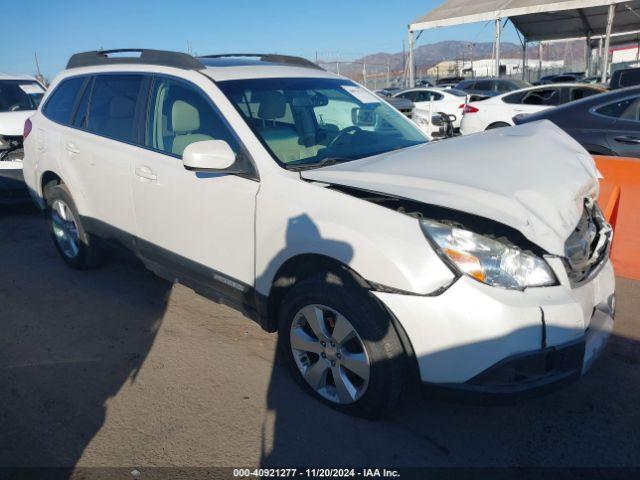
pixel 604 122
pixel 500 110
pixel 607 124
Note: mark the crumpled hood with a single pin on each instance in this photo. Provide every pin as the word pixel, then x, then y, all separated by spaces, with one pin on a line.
pixel 12 123
pixel 532 177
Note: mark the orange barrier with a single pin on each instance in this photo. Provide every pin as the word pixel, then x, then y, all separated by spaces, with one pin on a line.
pixel 620 202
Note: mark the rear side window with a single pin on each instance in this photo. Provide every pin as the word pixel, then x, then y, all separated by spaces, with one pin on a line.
pixel 514 98
pixel 544 97
pixel 578 92
pixel 112 112
pixel 629 78
pixel 628 109
pixel 468 85
pixel 59 106
pixel 408 95
pixel 504 87
pixel 483 85
pixel 81 115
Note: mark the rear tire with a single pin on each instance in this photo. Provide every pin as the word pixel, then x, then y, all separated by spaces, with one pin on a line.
pixel 76 246
pixel 360 369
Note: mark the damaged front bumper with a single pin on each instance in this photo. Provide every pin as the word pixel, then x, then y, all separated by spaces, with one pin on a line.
pixel 489 342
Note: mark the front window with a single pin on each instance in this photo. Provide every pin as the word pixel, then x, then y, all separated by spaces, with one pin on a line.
pixel 307 121
pixel 17 95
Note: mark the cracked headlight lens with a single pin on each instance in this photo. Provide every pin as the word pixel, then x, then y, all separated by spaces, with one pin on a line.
pixel 487 260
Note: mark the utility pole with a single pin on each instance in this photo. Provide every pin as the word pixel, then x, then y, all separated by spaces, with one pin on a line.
pixel 497 45
pixel 599 55
pixel 189 50
pixel 524 58
pixel 473 72
pixel 412 73
pixel 539 60
pixel 364 74
pixel 388 73
pixel 587 56
pixel 39 73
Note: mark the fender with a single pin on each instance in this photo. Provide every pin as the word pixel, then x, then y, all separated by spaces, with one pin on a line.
pixel 382 246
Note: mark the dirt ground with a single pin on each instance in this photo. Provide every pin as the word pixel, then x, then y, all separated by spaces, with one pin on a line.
pixel 116 367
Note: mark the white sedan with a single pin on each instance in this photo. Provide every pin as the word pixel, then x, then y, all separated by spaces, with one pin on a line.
pixel 498 111
pixel 449 101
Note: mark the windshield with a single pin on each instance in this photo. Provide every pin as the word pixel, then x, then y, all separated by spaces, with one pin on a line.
pixel 18 95
pixel 307 121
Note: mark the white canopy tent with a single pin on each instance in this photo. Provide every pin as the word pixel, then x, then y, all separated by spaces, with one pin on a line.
pixel 536 20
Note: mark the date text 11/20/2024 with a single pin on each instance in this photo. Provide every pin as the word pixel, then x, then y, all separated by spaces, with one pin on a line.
pixel 316 473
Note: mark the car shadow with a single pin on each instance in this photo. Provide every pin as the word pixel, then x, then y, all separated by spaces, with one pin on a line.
pixel 70 340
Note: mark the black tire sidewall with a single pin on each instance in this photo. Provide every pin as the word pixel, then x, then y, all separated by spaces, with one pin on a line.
pixel 375 327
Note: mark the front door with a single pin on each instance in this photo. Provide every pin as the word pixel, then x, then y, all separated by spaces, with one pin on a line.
pixel 199 226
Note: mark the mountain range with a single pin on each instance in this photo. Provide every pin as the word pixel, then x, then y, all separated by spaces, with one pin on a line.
pixel 431 54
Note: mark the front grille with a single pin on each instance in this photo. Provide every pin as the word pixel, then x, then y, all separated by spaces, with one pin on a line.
pixel 587 248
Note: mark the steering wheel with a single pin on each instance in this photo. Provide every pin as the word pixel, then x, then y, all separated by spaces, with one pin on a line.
pixel 15 107
pixel 342 133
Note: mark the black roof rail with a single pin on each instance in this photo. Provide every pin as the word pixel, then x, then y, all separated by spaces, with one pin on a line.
pixel 146 56
pixel 270 57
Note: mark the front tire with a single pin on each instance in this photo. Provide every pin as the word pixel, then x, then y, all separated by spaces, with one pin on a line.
pixel 342 347
pixel 75 245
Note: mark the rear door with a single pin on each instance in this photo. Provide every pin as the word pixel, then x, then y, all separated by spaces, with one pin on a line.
pixel 48 133
pixel 100 149
pixel 199 226
pixel 624 136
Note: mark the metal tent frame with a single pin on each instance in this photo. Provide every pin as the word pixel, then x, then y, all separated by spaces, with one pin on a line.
pixel 537 21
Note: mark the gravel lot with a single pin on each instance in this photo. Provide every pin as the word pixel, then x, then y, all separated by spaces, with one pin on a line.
pixel 116 367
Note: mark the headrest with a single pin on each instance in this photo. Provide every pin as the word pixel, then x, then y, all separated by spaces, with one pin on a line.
pixel 273 104
pixel 121 107
pixel 184 117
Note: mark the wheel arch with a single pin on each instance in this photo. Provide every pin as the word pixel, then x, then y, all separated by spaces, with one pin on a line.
pixel 300 267
pixel 47 178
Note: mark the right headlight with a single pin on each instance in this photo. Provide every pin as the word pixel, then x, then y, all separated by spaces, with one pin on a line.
pixel 487 260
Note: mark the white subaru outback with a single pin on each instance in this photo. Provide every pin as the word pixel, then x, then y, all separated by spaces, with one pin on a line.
pixel 477 265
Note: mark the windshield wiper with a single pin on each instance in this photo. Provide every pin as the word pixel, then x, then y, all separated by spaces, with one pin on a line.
pixel 325 162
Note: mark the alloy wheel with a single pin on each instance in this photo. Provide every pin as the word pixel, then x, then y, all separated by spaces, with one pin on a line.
pixel 330 354
pixel 65 229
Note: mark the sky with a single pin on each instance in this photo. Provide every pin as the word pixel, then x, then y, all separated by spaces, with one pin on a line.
pixel 335 29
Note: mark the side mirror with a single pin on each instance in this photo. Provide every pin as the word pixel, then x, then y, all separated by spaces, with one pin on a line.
pixel 208 156
pixel 363 117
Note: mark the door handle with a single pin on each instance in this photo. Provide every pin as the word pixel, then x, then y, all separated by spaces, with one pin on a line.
pixel 145 173
pixel 71 148
pixel 628 139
